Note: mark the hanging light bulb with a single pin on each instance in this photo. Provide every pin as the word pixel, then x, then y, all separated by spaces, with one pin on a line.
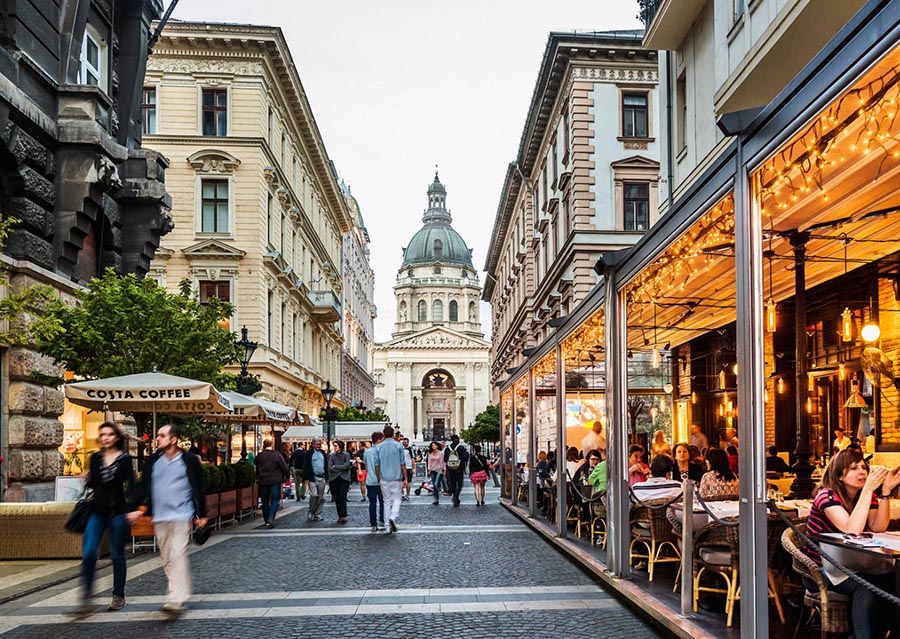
pixel 654 357
pixel 842 372
pixel 847 325
pixel 870 332
pixel 781 386
pixel 722 378
pixel 770 315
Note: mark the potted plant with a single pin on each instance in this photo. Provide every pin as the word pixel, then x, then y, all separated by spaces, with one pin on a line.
pixel 244 479
pixel 227 493
pixel 213 477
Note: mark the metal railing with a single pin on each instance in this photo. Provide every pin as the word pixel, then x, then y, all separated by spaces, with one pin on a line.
pixel 647 10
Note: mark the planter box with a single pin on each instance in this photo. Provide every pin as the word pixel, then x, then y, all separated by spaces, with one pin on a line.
pixel 212 506
pixel 227 503
pixel 245 498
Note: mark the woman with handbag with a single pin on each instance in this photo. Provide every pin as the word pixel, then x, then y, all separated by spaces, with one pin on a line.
pixel 110 470
pixel 478 473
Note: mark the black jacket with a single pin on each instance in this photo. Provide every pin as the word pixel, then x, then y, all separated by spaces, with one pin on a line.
pixel 308 474
pixel 110 497
pixel 298 459
pixel 271 469
pixel 195 479
pixel 463 457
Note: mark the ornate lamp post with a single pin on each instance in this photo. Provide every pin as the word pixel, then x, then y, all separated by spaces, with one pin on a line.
pixel 328 395
pixel 246 383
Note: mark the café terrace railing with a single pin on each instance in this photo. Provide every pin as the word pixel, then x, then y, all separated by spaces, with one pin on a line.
pixel 647 9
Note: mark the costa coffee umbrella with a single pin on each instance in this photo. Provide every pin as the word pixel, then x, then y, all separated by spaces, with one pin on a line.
pixel 149 393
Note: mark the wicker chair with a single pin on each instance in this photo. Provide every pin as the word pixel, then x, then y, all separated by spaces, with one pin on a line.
pixel 833 607
pixel 598 522
pixel 575 511
pixel 651 529
pixel 677 531
pixel 716 551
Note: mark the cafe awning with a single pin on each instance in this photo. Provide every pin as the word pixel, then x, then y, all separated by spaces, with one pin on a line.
pixel 148 393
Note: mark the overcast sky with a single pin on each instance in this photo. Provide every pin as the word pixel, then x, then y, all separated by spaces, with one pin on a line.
pixel 399 85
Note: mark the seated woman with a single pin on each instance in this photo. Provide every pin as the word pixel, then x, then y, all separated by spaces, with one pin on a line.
pixel 852 500
pixel 720 483
pixel 637 469
pixel 573 461
pixel 660 445
pixel 684 467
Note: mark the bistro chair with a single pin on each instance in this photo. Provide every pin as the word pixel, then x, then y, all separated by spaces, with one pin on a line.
pixel 651 529
pixel 598 520
pixel 833 607
pixel 575 508
pixel 677 531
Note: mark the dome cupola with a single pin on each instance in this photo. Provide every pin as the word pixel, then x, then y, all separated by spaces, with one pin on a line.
pixel 437 241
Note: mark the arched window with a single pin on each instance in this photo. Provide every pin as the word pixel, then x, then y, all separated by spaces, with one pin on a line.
pixel 437 311
pixel 423 311
pixel 454 311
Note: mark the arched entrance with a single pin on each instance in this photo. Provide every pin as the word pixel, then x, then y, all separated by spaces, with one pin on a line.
pixel 438 397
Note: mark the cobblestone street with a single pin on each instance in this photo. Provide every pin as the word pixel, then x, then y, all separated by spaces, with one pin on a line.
pixel 451 572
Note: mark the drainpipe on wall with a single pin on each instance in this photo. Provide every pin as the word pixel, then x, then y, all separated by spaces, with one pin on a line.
pixel 670 143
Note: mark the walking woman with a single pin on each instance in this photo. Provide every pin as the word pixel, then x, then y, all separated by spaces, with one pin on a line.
pixel 339 478
pixel 110 470
pixel 435 466
pixel 478 473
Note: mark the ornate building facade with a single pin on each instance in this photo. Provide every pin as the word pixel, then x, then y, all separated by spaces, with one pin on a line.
pixel 87 196
pixel 585 181
pixel 358 352
pixel 259 211
pixel 432 377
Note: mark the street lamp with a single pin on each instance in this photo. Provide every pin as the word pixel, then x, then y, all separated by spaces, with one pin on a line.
pixel 328 395
pixel 247 384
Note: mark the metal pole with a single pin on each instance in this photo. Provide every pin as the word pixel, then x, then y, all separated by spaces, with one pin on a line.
pixel 532 454
pixel 754 559
pixel 687 550
pixel 514 465
pixel 561 478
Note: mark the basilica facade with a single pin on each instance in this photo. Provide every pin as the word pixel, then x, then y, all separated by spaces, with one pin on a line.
pixel 431 378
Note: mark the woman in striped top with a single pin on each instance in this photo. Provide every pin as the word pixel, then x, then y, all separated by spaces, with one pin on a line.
pixel 852 500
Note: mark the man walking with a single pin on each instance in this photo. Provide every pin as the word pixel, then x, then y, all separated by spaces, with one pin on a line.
pixel 455 458
pixel 389 469
pixel 271 472
pixel 315 470
pixel 372 487
pixel 175 497
pixel 408 465
pixel 298 459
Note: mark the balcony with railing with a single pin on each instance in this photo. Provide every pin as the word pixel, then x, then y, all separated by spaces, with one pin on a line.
pixel 667 22
pixel 326 306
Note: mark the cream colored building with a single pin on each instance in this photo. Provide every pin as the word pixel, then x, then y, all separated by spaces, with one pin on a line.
pixel 585 181
pixel 259 213
pixel 432 377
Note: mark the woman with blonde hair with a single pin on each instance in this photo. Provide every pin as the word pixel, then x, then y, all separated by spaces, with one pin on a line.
pixel 660 445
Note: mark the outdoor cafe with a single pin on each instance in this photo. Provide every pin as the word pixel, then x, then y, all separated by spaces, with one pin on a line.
pixel 759 320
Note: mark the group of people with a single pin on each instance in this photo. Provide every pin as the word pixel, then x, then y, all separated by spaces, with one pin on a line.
pixel 171 493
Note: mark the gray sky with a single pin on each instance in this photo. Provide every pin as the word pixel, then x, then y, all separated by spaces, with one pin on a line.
pixel 399 85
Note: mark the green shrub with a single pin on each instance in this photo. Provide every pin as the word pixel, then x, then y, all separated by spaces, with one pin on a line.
pixel 213 477
pixel 227 482
pixel 244 474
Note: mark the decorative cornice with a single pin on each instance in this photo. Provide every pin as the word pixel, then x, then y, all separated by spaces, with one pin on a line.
pixel 616 74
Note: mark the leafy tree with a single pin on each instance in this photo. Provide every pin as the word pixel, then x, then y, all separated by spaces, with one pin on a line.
pixel 486 427
pixel 360 414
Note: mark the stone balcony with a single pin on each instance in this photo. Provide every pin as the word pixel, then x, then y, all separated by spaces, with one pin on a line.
pixel 326 306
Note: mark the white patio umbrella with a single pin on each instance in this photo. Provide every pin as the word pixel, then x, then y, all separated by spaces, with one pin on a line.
pixel 149 393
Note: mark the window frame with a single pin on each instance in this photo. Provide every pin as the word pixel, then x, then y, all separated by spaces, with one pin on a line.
pixel 147 106
pixel 101 71
pixel 422 311
pixel 215 109
pixel 629 112
pixel 201 200
pixel 453 311
pixel 626 200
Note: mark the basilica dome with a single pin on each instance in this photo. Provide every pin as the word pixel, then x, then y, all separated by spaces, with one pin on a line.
pixel 437 241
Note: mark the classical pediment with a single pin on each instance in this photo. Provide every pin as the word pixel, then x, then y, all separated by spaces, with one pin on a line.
pixel 635 162
pixel 213 161
pixel 212 249
pixel 437 338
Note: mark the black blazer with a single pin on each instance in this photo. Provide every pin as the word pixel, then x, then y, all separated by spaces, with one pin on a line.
pixel 111 497
pixel 195 479
pixel 308 474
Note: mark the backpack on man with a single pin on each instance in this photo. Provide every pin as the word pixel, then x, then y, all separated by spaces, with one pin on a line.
pixel 454 462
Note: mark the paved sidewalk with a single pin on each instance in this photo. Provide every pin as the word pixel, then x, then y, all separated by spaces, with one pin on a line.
pixel 452 572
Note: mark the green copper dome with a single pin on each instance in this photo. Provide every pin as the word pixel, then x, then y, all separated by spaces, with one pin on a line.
pixel 437 241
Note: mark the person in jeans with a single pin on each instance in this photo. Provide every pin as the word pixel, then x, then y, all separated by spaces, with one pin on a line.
pixel 298 458
pixel 435 466
pixel 110 469
pixel 372 486
pixel 391 475
pixel 339 478
pixel 408 460
pixel 175 498
pixel 455 458
pixel 315 470
pixel 271 472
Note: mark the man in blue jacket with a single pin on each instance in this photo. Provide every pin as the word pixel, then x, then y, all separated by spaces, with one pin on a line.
pixel 175 497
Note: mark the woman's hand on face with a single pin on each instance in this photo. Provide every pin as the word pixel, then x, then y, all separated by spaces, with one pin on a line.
pixel 875 479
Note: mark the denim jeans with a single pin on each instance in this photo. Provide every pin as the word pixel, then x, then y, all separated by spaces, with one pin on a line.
pixel 374 493
pixel 269 494
pixel 436 484
pixel 870 616
pixel 93 533
pixel 339 489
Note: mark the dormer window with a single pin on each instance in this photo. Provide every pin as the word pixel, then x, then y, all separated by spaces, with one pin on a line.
pixel 438 248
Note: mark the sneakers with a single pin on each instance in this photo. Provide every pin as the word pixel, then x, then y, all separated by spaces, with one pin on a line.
pixel 173 609
pixel 404 498
pixel 117 603
pixel 374 528
pixel 381 526
pixel 319 518
pixel 393 525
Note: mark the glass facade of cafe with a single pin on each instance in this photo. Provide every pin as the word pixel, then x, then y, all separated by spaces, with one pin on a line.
pixel 764 310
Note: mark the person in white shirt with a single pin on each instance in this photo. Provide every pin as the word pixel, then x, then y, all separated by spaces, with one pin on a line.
pixel 595 439
pixel 408 460
pixel 840 442
pixel 659 486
